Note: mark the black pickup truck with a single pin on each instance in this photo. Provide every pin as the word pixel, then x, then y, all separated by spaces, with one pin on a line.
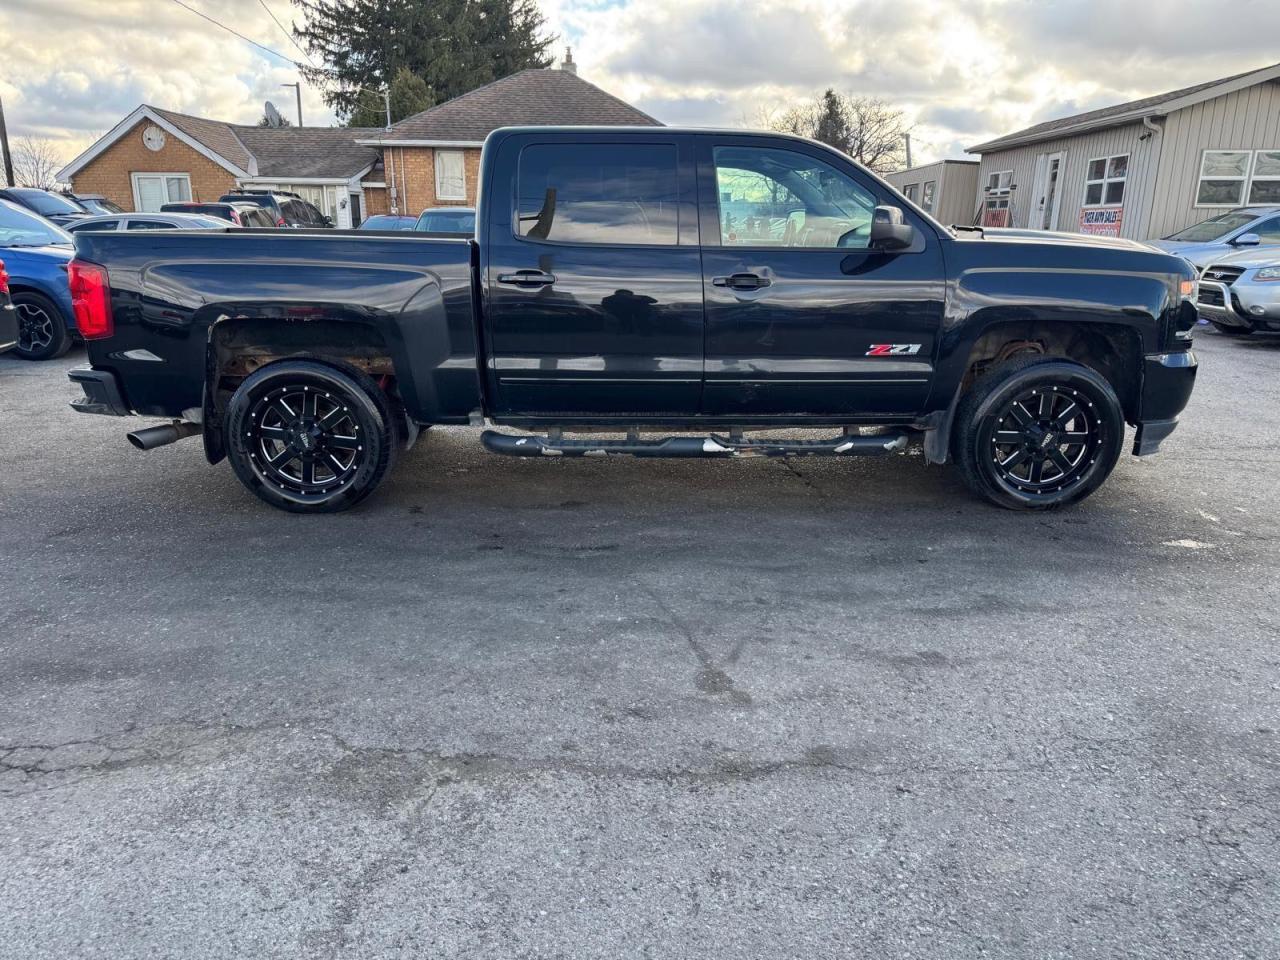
pixel 652 292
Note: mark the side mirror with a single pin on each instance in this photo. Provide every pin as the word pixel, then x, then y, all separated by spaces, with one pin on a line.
pixel 1246 240
pixel 889 231
pixel 328 221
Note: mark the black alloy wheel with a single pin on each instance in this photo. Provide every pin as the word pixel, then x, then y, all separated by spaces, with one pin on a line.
pixel 1038 432
pixel 42 330
pixel 310 437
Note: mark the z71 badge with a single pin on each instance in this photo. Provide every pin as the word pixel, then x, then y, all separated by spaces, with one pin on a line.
pixel 893 350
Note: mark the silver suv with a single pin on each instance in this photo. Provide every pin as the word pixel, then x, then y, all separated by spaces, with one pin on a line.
pixel 1210 240
pixel 1241 293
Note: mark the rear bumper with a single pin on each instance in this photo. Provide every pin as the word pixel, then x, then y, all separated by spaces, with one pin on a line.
pixel 101 393
pixel 1167 379
pixel 8 327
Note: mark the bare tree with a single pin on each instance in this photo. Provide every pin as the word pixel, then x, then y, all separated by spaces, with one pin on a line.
pixel 36 163
pixel 866 128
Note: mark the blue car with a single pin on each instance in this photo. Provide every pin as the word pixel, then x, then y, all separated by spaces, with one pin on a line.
pixel 35 254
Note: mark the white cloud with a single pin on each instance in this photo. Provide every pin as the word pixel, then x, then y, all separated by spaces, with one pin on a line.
pixel 963 70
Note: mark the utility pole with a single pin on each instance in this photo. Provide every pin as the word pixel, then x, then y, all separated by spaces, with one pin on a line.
pixel 4 147
pixel 907 137
pixel 386 98
pixel 297 88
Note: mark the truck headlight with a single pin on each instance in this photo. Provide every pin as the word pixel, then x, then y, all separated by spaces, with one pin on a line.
pixel 1268 273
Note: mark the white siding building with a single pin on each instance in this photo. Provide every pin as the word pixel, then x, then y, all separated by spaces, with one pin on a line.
pixel 947 189
pixel 1143 169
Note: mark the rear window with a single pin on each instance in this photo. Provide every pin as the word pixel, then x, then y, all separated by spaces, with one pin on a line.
pixel 447 221
pixel 599 193
pixel 219 210
pixel 387 222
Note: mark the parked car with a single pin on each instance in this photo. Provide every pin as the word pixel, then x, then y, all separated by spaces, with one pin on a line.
pixel 36 253
pixel 388 221
pixel 237 214
pixel 1241 293
pixel 95 203
pixel 149 221
pixel 458 220
pixel 286 209
pixel 1211 240
pixel 8 314
pixel 52 206
pixel 604 297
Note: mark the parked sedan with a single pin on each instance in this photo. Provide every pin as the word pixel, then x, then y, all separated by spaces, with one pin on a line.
pixel 8 314
pixel 1241 293
pixel 1210 240
pixel 52 206
pixel 388 221
pixel 148 221
pixel 35 254
pixel 455 220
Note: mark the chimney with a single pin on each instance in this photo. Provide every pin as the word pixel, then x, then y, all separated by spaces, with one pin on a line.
pixel 567 64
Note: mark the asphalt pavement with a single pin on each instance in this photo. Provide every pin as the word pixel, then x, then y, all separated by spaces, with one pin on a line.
pixel 620 708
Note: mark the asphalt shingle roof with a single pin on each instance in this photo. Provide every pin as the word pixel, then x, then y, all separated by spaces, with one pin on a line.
pixel 308 151
pixel 214 134
pixel 527 98
pixel 1100 117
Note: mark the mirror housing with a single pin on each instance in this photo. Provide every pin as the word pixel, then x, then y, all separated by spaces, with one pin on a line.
pixel 1246 240
pixel 889 230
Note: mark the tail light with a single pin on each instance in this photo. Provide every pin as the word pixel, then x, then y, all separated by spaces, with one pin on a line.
pixel 280 222
pixel 235 218
pixel 4 278
pixel 91 297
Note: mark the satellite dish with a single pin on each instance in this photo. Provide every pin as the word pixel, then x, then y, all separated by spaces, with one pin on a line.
pixel 273 115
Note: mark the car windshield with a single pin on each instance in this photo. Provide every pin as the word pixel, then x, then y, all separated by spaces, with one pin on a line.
pixel 49 204
pixel 1215 228
pixel 447 221
pixel 102 205
pixel 18 228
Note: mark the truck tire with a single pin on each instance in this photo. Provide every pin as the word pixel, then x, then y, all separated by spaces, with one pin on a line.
pixel 1037 433
pixel 310 437
pixel 42 329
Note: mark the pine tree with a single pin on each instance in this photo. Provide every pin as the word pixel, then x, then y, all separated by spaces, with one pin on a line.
pixel 452 46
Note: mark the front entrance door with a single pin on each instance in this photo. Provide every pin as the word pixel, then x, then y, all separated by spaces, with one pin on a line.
pixel 1047 195
pixel 803 318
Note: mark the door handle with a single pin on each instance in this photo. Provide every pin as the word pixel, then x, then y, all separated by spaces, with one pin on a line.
pixel 742 281
pixel 527 278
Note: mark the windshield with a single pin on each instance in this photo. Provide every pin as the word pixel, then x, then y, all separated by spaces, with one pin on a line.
pixel 18 228
pixel 447 221
pixel 49 204
pixel 101 205
pixel 1215 228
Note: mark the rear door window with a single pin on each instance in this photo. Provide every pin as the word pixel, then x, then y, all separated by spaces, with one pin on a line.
pixel 599 193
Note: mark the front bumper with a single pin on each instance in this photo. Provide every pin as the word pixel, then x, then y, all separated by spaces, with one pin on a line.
pixel 1167 379
pixel 101 393
pixel 8 326
pixel 1240 304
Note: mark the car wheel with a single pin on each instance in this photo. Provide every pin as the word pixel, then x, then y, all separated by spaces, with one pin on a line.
pixel 1038 432
pixel 42 329
pixel 310 437
pixel 1229 331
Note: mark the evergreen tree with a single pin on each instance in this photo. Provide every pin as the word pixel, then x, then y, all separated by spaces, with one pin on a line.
pixel 831 125
pixel 452 46
pixel 409 95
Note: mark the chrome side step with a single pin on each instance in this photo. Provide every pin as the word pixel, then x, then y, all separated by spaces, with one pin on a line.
pixel 712 446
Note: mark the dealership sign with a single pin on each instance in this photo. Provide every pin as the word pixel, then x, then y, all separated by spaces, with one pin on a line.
pixel 1102 221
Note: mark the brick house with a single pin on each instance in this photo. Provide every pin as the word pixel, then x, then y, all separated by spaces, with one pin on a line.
pixel 155 156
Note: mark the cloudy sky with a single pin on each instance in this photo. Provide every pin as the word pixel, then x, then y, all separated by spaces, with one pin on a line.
pixel 963 70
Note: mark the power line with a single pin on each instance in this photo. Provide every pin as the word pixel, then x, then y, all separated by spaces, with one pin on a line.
pixel 223 26
pixel 292 38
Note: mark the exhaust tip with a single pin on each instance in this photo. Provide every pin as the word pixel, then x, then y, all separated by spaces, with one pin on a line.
pixel 136 441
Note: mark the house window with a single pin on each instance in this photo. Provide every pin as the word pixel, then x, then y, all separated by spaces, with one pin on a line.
pixel 1222 178
pixel 911 191
pixel 926 195
pixel 1000 181
pixel 1104 183
pixel 1265 187
pixel 451 178
pixel 153 190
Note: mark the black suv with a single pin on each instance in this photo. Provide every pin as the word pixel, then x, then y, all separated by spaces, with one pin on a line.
pixel 286 209
pixel 52 206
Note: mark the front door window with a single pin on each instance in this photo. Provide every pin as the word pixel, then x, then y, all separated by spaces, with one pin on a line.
pixel 779 198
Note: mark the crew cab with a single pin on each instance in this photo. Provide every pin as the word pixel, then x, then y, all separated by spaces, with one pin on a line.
pixel 651 292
